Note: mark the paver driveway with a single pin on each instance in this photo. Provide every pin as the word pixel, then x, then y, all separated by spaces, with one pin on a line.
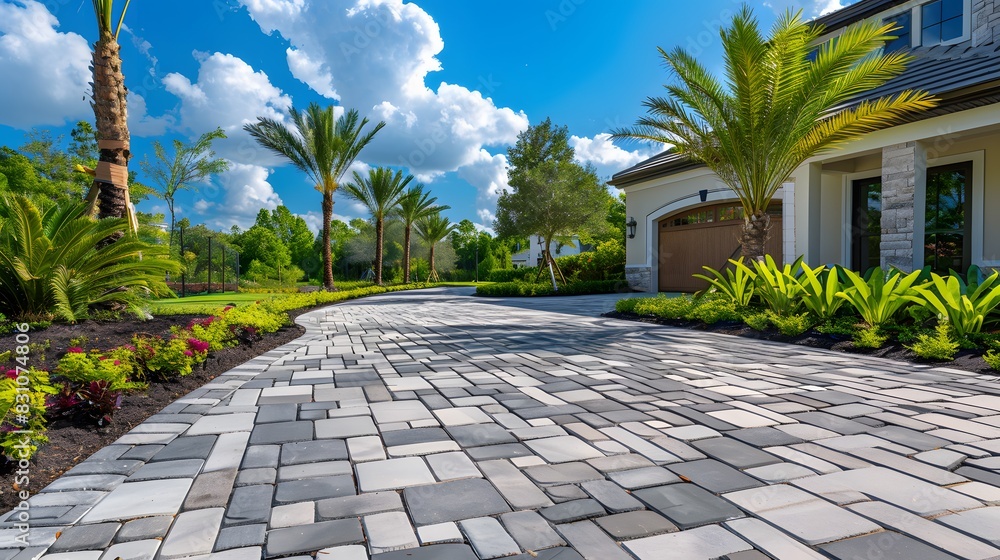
pixel 432 425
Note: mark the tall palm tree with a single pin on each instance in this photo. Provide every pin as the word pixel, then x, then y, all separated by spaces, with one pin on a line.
pixel 432 230
pixel 109 194
pixel 415 205
pixel 321 147
pixel 380 192
pixel 783 101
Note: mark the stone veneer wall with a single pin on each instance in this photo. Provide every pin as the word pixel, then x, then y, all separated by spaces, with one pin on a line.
pixel 985 22
pixel 639 277
pixel 902 168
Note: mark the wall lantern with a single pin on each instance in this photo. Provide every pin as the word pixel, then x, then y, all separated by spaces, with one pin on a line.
pixel 703 194
pixel 631 227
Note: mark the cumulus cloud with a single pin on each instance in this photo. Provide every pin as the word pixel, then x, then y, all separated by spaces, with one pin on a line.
pixel 810 8
pixel 241 192
pixel 228 93
pixel 141 123
pixel 488 174
pixel 606 156
pixel 333 43
pixel 47 71
pixel 314 220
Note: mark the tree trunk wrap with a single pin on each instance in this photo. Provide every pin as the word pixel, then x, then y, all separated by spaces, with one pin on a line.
pixel 406 255
pixel 111 114
pixel 379 238
pixel 327 257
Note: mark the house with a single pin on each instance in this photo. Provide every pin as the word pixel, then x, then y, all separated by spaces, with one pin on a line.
pixel 531 255
pixel 923 192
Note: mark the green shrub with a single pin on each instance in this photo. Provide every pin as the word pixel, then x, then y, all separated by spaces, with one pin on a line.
pixel 526 274
pixel 879 297
pixel 778 286
pixel 992 359
pixel 6 327
pixel 54 264
pixel 760 321
pixel 819 289
pixel 23 395
pixel 627 305
pixel 665 307
pixel 164 359
pixel 869 337
pixel 711 310
pixel 116 368
pixel 965 306
pixel 838 326
pixel 738 284
pixel 940 346
pixel 606 262
pixel 525 289
pixel 792 325
pixel 263 318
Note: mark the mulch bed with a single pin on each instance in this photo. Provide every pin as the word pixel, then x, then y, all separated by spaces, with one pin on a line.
pixel 968 360
pixel 70 443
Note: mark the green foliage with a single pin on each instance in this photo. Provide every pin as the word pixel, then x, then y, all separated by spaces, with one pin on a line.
pixel 528 289
pixel 6 327
pixel 606 262
pixel 778 287
pixel 55 264
pixel 869 337
pixel 711 310
pixel 791 325
pixel 965 307
pixel 992 359
pixel 880 297
pixel 760 321
pixel 660 306
pixel 838 326
pixel 738 284
pixel 819 289
pixel 523 274
pixel 940 346
pixel 116 368
pixel 22 407
pixel 551 195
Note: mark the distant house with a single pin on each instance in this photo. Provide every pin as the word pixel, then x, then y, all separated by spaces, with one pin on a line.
pixel 531 255
pixel 924 192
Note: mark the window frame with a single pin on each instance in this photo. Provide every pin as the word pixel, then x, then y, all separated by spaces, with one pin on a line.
pixel 915 9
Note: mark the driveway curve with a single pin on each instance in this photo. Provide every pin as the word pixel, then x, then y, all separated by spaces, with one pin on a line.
pixel 435 425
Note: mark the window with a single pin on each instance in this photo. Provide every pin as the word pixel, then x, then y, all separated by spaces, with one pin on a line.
pixel 941 21
pixel 866 224
pixel 947 229
pixel 902 33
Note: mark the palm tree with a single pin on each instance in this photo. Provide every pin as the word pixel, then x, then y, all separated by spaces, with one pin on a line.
pixel 380 192
pixel 416 204
pixel 322 148
pixel 190 164
pixel 432 230
pixel 777 107
pixel 109 194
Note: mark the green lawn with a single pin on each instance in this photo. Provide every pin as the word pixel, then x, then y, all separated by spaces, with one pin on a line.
pixel 205 303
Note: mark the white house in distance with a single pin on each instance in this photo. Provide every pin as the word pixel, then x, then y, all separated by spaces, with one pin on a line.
pixel 924 192
pixel 532 254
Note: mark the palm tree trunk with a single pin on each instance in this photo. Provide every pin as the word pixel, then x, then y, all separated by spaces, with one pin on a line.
pixel 754 234
pixel 379 233
pixel 406 255
pixel 432 277
pixel 170 206
pixel 111 113
pixel 327 257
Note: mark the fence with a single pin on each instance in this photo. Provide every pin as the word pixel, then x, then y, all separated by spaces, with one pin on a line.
pixel 209 264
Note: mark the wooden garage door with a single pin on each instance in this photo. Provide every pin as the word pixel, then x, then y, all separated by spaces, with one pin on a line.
pixel 705 236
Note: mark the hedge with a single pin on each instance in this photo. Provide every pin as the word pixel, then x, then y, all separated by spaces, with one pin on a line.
pixel 525 289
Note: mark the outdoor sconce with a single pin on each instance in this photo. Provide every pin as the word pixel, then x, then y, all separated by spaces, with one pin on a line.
pixel 631 227
pixel 703 194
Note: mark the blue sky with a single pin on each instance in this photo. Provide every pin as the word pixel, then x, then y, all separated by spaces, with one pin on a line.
pixel 455 81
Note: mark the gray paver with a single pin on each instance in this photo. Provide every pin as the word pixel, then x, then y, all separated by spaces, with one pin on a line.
pixel 85 537
pixel 635 524
pixel 591 541
pixel 389 531
pixel 141 499
pixel 703 543
pixel 306 538
pixel 355 506
pixel 515 487
pixel 934 533
pixel 488 538
pixel 687 505
pixel 981 522
pixel 192 533
pixel 890 545
pixel 530 530
pixel 453 501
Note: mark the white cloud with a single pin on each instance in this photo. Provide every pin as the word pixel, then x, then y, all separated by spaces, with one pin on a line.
pixel 810 8
pixel 488 173
pixel 606 156
pixel 47 72
pixel 394 45
pixel 244 191
pixel 314 220
pixel 141 123
pixel 228 94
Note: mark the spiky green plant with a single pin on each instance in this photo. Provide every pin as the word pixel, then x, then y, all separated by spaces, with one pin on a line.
pixel 778 105
pixel 415 204
pixel 737 285
pixel 964 306
pixel 819 290
pixel 880 297
pixel 54 264
pixel 432 230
